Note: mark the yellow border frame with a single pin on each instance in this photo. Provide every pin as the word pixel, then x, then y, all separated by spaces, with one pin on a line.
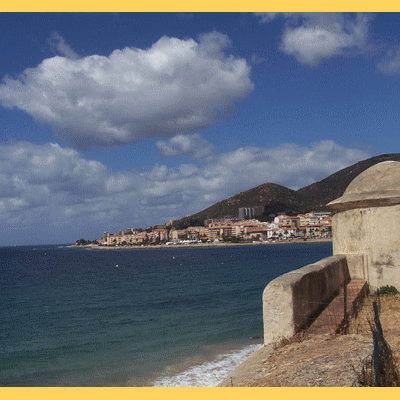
pixel 203 6
pixel 194 393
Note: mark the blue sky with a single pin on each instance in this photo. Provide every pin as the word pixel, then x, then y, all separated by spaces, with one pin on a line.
pixel 119 120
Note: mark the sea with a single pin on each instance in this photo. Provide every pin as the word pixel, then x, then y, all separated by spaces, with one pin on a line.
pixel 140 317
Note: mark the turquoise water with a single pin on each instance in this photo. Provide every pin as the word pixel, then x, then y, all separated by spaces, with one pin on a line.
pixel 163 317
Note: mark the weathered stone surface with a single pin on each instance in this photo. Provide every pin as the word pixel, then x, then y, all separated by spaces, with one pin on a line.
pixel 366 226
pixel 321 360
pixel 366 246
pixel 291 301
pixel 336 316
pixel 376 187
pixel 303 363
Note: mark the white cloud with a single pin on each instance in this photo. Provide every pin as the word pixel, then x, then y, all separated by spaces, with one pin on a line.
pixel 58 45
pixel 193 145
pixel 288 164
pixel 49 190
pixel 31 171
pixel 390 65
pixel 174 87
pixel 313 37
pixel 266 17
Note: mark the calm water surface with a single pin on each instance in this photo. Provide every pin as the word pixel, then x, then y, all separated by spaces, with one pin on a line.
pixel 149 317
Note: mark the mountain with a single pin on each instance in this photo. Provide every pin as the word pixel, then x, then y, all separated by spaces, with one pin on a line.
pixel 318 194
pixel 258 197
pixel 270 199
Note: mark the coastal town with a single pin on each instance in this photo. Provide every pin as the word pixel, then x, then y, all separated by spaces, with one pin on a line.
pixel 243 228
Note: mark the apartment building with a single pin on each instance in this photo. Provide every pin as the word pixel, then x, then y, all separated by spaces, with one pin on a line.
pixel 312 225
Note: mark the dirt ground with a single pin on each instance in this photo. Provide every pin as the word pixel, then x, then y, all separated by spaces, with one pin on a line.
pixel 389 317
pixel 322 360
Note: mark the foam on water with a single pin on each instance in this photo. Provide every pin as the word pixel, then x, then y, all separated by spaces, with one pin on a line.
pixel 209 374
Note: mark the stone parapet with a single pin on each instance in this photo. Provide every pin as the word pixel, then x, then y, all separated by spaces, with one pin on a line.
pixel 293 300
pixel 336 316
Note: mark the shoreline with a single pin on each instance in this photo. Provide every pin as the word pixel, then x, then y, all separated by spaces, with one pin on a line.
pixel 206 369
pixel 199 245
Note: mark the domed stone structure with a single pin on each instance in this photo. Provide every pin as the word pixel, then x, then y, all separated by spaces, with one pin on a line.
pixel 366 225
pixel 379 185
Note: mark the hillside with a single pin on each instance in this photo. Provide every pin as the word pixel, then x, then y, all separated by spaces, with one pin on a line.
pixel 318 194
pixel 269 199
pixel 258 197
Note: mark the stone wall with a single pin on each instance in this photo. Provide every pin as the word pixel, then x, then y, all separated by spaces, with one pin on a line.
pixel 366 245
pixel 291 301
pixel 366 223
pixel 372 233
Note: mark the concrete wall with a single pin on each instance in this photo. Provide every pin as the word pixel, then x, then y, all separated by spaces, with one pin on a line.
pixel 372 233
pixel 292 300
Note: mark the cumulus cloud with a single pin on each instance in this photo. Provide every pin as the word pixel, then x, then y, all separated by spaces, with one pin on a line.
pixel 174 87
pixel 52 189
pixel 194 145
pixel 313 37
pixel 31 171
pixel 288 164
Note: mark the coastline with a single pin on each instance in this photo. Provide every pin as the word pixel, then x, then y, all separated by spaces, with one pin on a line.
pixel 318 361
pixel 198 245
pixel 198 303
